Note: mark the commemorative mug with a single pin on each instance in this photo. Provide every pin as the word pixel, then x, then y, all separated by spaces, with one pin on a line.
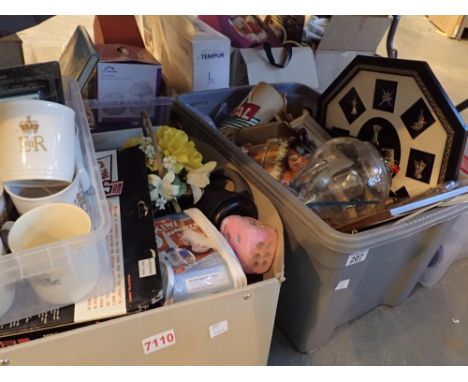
pixel 37 143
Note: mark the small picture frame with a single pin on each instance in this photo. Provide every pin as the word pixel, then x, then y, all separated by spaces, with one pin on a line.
pixel 399 106
pixel 41 81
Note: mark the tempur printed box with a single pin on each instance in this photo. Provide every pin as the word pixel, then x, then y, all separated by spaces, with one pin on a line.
pixel 193 55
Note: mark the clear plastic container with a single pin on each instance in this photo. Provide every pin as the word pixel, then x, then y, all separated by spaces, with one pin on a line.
pixel 158 109
pixel 17 297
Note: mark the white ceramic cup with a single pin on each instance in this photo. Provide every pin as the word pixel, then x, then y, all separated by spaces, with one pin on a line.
pixel 37 143
pixel 51 223
pixel 27 198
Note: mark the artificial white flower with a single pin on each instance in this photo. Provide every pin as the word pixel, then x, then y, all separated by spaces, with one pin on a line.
pixel 154 182
pixel 200 177
pixel 197 193
pixel 170 163
pixel 162 190
pixel 166 189
pixel 147 147
pixel 160 203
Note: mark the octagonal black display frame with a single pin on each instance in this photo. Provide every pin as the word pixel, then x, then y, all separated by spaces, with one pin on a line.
pixel 430 87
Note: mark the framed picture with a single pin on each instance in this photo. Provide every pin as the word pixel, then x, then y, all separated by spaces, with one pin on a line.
pixel 41 81
pixel 399 106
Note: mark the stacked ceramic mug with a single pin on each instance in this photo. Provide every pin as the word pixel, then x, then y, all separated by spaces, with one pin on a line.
pixel 40 172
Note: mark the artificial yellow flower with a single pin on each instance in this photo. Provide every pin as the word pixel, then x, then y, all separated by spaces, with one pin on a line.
pixel 194 160
pixel 176 144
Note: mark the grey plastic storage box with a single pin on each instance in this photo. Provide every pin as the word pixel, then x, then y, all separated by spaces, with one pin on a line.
pixel 331 277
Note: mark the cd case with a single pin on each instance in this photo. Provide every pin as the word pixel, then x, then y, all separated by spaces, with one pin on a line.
pixel 80 57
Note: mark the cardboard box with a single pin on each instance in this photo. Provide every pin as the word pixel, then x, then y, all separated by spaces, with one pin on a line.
pixel 193 55
pixel 118 29
pixel 46 41
pixel 11 51
pixel 245 314
pixel 330 65
pixel 346 37
pixel 256 135
pixel 126 73
pixel 449 24
pixel 360 34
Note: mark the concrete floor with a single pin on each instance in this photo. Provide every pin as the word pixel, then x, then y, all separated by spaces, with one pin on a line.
pixel 431 326
pixel 418 39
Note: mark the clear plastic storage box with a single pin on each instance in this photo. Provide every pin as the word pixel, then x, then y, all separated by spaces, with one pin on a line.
pixel 47 263
pixel 158 109
pixel 331 277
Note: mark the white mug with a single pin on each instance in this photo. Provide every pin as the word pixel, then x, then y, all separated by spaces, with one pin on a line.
pixel 27 198
pixel 48 224
pixel 37 143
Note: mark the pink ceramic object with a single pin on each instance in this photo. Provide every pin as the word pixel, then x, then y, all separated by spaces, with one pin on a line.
pixel 253 242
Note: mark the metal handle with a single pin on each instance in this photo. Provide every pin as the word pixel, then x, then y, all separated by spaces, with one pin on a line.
pixel 143 210
pixel 392 52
